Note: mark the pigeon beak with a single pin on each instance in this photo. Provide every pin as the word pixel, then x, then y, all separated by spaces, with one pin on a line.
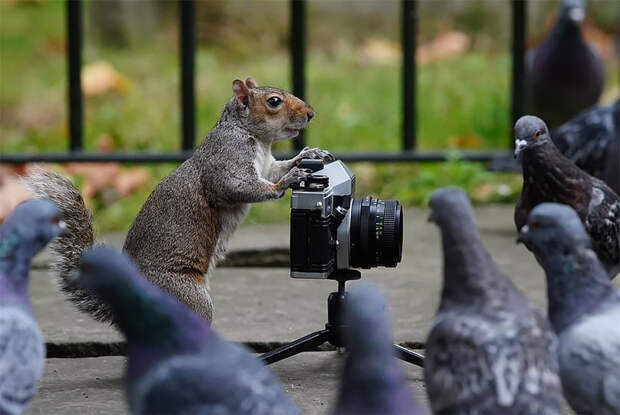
pixel 576 15
pixel 63 226
pixel 522 238
pixel 519 146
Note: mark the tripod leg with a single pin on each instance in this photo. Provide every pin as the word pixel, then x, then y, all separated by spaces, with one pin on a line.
pixel 308 342
pixel 408 355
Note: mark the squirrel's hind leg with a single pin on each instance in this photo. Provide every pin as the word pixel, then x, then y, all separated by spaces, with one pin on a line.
pixel 193 290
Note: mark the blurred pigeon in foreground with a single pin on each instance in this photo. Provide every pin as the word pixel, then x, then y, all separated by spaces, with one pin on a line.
pixel 488 351
pixel 373 381
pixel 566 75
pixel 592 141
pixel 584 309
pixel 548 176
pixel 22 355
pixel 176 363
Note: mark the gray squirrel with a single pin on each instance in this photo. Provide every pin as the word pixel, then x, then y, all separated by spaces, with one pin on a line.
pixel 183 228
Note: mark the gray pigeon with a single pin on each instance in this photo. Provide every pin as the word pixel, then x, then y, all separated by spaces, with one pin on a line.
pixel 373 381
pixel 567 75
pixel 176 363
pixel 584 309
pixel 22 353
pixel 548 176
pixel 488 351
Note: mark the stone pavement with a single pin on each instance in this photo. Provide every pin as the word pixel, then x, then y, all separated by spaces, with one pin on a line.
pixel 263 307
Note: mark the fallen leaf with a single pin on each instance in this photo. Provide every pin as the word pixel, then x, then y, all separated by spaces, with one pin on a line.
pixel 96 175
pixel 100 77
pixel 131 179
pixel 379 51
pixel 446 45
pixel 12 193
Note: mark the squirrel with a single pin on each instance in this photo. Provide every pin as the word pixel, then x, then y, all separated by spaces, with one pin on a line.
pixel 182 230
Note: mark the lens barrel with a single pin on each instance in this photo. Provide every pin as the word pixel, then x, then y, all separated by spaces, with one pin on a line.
pixel 376 233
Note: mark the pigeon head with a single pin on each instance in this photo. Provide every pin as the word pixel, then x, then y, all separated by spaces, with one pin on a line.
pixel 366 312
pixel 146 315
pixel 448 204
pixel 530 132
pixel 573 11
pixel 29 228
pixel 554 227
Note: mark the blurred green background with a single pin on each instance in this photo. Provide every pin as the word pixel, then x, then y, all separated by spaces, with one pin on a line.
pixel 131 83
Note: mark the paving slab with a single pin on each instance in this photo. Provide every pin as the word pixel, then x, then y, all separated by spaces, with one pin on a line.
pixel 92 386
pixel 265 305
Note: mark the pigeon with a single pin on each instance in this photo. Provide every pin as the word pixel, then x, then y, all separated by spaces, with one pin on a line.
pixel 584 309
pixel 548 176
pixel 592 141
pixel 176 363
pixel 26 231
pixel 488 350
pixel 373 381
pixel 566 75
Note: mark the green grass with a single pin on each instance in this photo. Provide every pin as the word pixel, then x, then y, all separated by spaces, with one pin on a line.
pixel 463 102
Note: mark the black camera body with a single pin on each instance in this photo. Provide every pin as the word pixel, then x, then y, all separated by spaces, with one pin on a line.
pixel 330 230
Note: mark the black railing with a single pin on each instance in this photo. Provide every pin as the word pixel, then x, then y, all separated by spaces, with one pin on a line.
pixel 187 37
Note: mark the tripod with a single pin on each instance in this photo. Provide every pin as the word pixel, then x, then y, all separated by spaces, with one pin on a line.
pixel 334 329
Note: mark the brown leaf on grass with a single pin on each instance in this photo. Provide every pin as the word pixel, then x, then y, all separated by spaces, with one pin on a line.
pixel 12 193
pixel 96 175
pixel 446 45
pixel 465 141
pixel 379 51
pixel 127 181
pixel 100 77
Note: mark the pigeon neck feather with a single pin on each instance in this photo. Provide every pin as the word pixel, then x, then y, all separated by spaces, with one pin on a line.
pixel 469 271
pixel 577 284
pixel 554 178
pixel 15 262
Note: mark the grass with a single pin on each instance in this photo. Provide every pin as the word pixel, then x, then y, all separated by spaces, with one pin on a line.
pixel 463 102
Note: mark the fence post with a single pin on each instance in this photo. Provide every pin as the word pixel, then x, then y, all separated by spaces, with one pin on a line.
pixel 74 66
pixel 519 9
pixel 297 29
pixel 408 40
pixel 187 43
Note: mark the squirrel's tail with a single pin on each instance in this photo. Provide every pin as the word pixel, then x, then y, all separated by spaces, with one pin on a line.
pixel 77 238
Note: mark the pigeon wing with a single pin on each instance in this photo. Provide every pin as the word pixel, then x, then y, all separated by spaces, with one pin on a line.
pixel 22 356
pixel 603 225
pixel 492 366
pixel 211 384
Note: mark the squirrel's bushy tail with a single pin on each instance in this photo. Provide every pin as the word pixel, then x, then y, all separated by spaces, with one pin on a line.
pixel 77 238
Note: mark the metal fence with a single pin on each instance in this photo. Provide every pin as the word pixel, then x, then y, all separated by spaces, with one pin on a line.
pixel 298 46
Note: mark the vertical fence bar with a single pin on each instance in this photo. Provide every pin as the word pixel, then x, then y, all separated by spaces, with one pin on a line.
pixel 409 30
pixel 298 57
pixel 519 9
pixel 187 38
pixel 74 64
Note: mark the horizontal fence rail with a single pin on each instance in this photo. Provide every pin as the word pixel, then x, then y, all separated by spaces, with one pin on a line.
pixel 298 47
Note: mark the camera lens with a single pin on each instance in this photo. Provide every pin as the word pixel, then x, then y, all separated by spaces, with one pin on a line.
pixel 376 233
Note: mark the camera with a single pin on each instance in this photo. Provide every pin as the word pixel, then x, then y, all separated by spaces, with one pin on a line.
pixel 331 230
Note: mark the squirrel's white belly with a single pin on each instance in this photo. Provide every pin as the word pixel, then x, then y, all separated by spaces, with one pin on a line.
pixel 263 159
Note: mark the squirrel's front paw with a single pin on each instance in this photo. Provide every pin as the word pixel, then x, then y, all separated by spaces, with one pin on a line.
pixel 314 153
pixel 294 176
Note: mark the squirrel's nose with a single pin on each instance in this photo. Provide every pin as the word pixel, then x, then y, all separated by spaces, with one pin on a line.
pixel 310 115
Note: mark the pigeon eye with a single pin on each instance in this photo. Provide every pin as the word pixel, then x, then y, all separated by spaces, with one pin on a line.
pixel 538 133
pixel 536 224
pixel 274 101
pixel 55 219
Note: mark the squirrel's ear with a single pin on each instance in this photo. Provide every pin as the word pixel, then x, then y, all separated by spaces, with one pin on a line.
pixel 242 93
pixel 251 83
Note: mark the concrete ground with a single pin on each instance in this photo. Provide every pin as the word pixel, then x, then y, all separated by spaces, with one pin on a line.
pixel 263 307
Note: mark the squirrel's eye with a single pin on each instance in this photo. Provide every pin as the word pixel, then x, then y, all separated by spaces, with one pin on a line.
pixel 274 101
